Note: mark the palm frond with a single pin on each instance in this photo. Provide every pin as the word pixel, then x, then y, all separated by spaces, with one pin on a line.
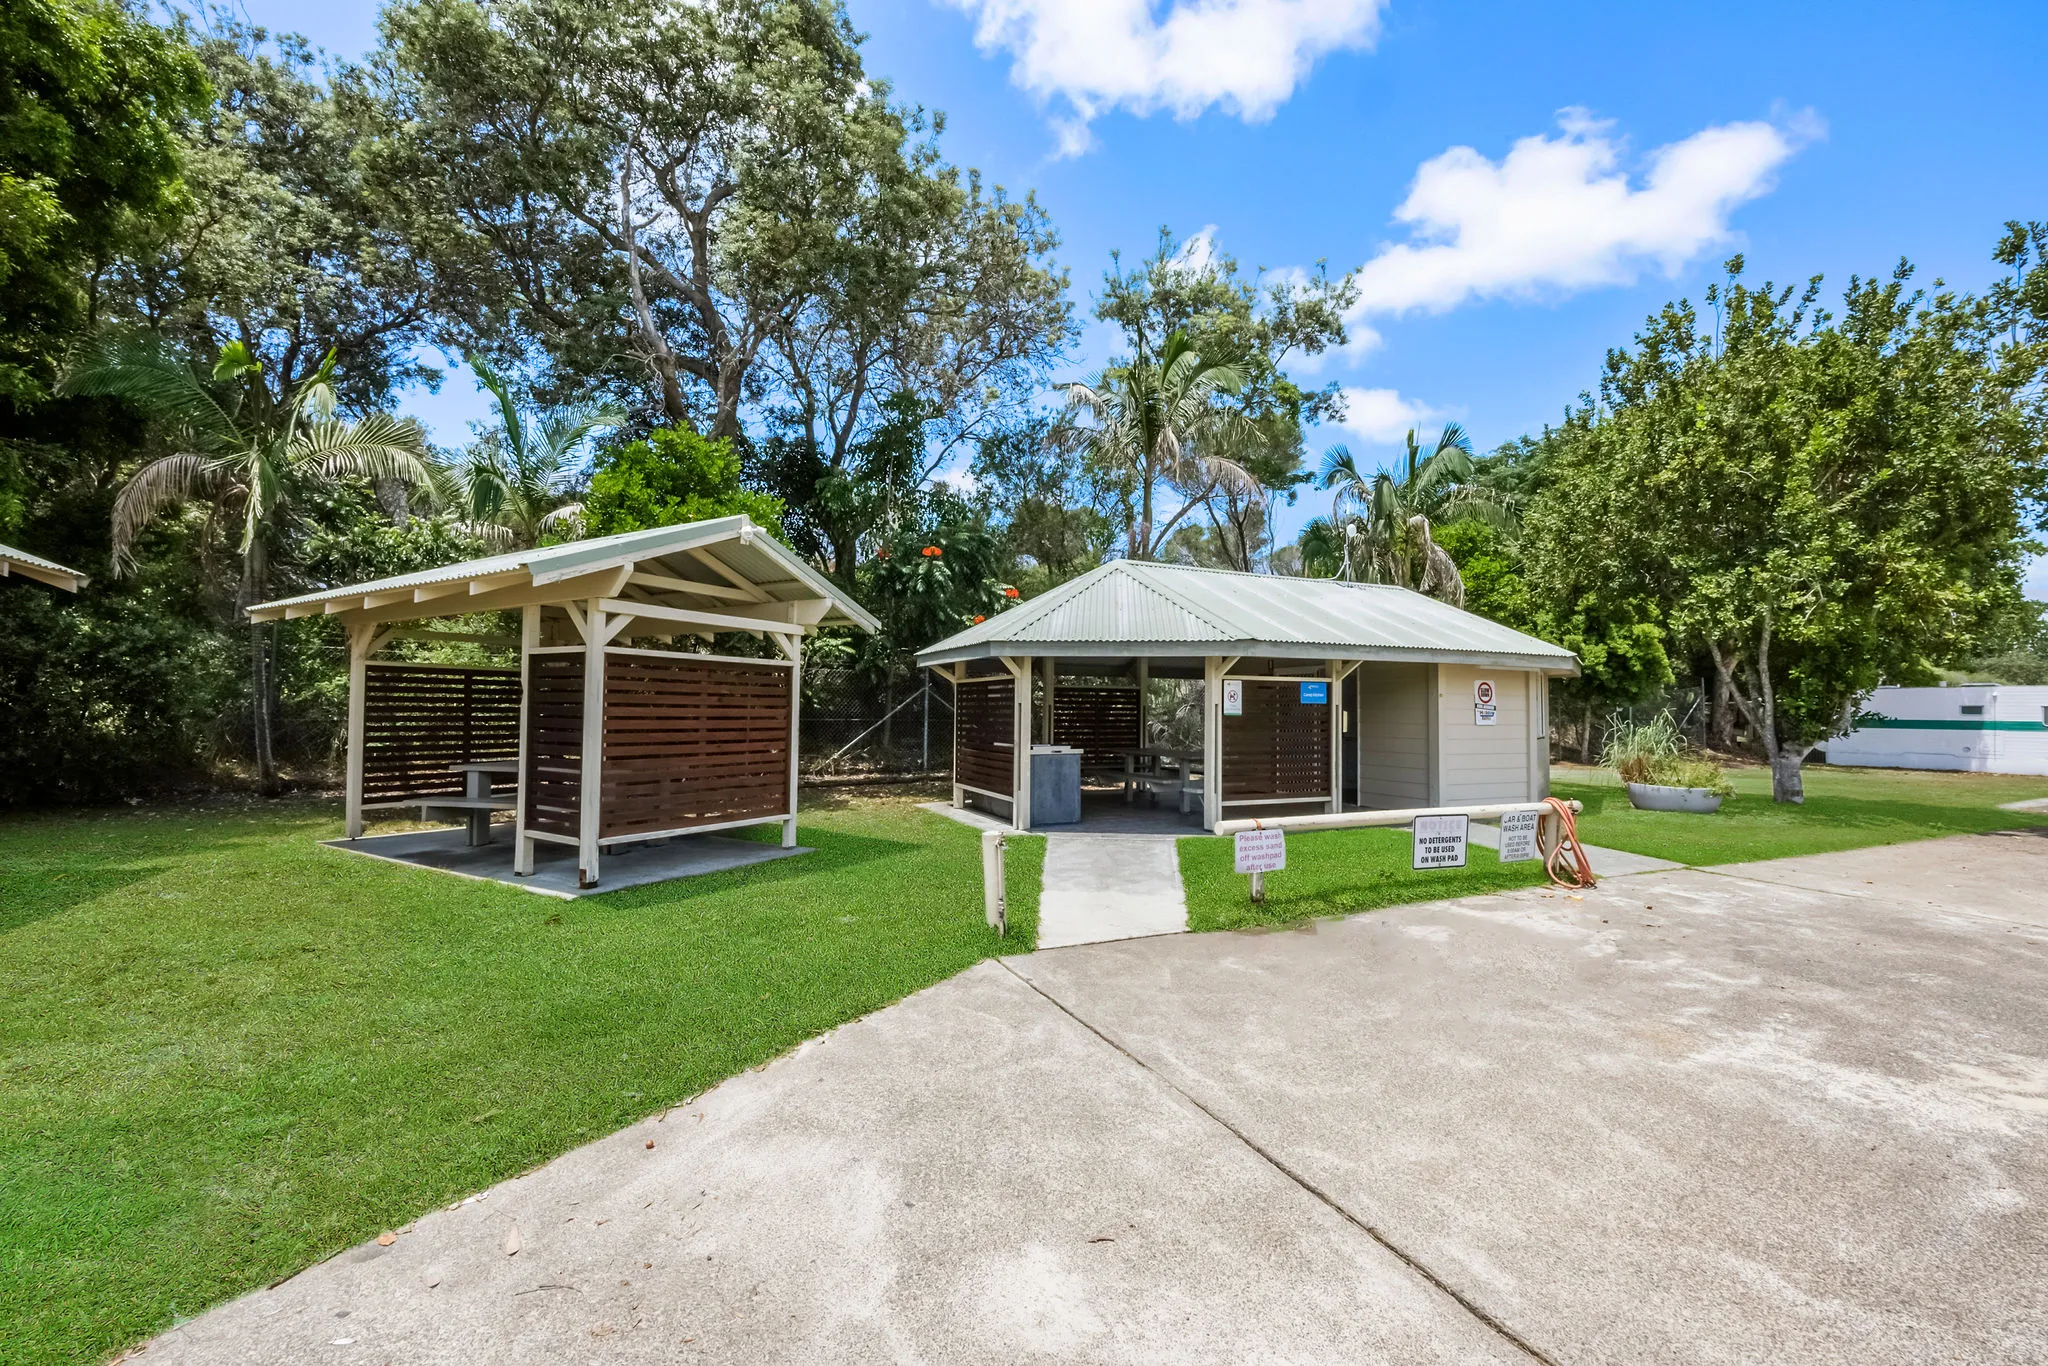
pixel 508 408
pixel 155 489
pixel 163 384
pixel 378 446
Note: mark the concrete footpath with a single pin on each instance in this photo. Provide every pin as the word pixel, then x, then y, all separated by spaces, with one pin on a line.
pixel 1794 1111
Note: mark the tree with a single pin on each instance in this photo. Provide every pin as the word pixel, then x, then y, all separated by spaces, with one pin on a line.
pixel 246 467
pixel 1149 419
pixel 1387 522
pixel 91 99
pixel 517 482
pixel 1822 506
pixel 1043 500
pixel 671 477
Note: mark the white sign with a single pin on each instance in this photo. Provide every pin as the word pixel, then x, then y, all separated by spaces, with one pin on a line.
pixel 1233 697
pixel 1518 835
pixel 1440 841
pixel 1483 710
pixel 1261 851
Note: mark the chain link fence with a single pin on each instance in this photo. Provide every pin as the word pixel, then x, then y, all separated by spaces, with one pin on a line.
pixel 858 724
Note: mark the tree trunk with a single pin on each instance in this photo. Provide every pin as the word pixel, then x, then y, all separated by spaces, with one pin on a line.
pixel 259 707
pixel 1787 785
pixel 1586 737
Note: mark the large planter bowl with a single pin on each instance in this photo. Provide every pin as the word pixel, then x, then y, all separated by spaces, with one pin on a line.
pixel 1652 797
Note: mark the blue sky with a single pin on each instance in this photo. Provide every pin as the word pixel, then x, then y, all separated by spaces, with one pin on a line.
pixel 1521 183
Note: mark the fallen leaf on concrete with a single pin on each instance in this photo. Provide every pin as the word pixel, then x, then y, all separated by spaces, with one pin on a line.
pixel 512 1243
pixel 386 1239
pixel 650 1143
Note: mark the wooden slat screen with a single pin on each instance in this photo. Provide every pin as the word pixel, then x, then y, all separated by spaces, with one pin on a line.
pixel 1278 748
pixel 419 719
pixel 554 743
pixel 1099 721
pixel 691 741
pixel 984 752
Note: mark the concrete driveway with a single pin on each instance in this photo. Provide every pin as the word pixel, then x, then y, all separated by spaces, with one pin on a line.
pixel 1788 1112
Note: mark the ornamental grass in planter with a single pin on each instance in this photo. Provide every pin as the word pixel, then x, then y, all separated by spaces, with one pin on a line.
pixel 1658 772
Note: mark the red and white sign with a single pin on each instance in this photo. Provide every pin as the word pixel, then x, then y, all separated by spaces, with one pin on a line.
pixel 1484 713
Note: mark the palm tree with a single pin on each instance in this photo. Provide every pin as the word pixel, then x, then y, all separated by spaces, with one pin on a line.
pixel 248 469
pixel 1151 418
pixel 1385 523
pixel 517 484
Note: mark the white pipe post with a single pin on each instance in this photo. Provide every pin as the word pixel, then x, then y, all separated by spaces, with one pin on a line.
pixel 590 787
pixel 796 706
pixel 995 906
pixel 1336 737
pixel 529 640
pixel 1212 742
pixel 360 636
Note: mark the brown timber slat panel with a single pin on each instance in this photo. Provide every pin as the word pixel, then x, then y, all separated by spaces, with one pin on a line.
pixel 1099 721
pixel 1278 748
pixel 983 752
pixel 692 741
pixel 418 720
pixel 554 744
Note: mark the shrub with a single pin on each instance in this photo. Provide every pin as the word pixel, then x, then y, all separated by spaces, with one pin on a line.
pixel 1654 752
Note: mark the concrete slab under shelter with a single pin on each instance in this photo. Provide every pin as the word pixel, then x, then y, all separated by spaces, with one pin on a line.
pixel 554 869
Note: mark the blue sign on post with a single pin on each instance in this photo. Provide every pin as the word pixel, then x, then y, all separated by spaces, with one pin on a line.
pixel 1315 694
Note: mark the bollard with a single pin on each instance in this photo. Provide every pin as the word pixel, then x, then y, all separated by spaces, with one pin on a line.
pixel 995 907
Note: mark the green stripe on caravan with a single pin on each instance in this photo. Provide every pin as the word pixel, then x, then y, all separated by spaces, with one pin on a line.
pixel 1894 723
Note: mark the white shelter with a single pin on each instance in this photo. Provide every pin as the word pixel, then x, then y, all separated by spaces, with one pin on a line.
pixel 1316 695
pixel 13 562
pixel 1976 728
pixel 612 733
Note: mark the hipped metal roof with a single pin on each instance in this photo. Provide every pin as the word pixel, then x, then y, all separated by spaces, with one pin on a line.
pixel 1136 608
pixel 734 542
pixel 20 562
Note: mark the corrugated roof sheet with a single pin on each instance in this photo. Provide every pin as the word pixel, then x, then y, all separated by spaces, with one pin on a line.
pixel 749 551
pixel 14 561
pixel 1172 609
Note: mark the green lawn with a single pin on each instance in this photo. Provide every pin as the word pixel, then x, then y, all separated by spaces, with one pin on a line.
pixel 1332 872
pixel 1845 808
pixel 226 1052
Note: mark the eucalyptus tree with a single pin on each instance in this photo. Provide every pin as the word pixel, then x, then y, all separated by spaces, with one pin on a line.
pixel 1149 422
pixel 517 483
pixel 1386 520
pixel 244 466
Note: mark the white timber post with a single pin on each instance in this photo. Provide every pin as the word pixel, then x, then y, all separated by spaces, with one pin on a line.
pixel 361 639
pixel 590 788
pixel 1144 691
pixel 796 706
pixel 1336 737
pixel 1020 741
pixel 1212 742
pixel 956 673
pixel 1048 668
pixel 529 641
pixel 1539 736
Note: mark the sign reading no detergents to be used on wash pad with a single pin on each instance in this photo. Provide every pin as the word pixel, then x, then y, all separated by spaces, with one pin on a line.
pixel 1440 841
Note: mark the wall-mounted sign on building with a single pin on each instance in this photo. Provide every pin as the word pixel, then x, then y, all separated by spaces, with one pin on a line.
pixel 1484 712
pixel 1315 694
pixel 1233 697
pixel 1440 841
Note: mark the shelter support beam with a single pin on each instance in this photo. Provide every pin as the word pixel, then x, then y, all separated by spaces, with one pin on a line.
pixel 529 641
pixel 590 789
pixel 1212 742
pixel 1020 741
pixel 359 642
pixel 795 648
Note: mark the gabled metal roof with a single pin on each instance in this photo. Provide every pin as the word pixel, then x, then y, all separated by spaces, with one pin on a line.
pixel 1129 608
pixel 735 542
pixel 29 566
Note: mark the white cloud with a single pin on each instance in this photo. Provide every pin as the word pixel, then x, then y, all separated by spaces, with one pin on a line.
pixel 1381 417
pixel 1559 214
pixel 1243 56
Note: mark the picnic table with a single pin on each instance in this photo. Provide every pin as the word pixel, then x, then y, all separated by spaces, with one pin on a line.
pixel 1155 769
pixel 477 799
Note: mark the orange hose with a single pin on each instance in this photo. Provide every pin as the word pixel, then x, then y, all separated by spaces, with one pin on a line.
pixel 1577 870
